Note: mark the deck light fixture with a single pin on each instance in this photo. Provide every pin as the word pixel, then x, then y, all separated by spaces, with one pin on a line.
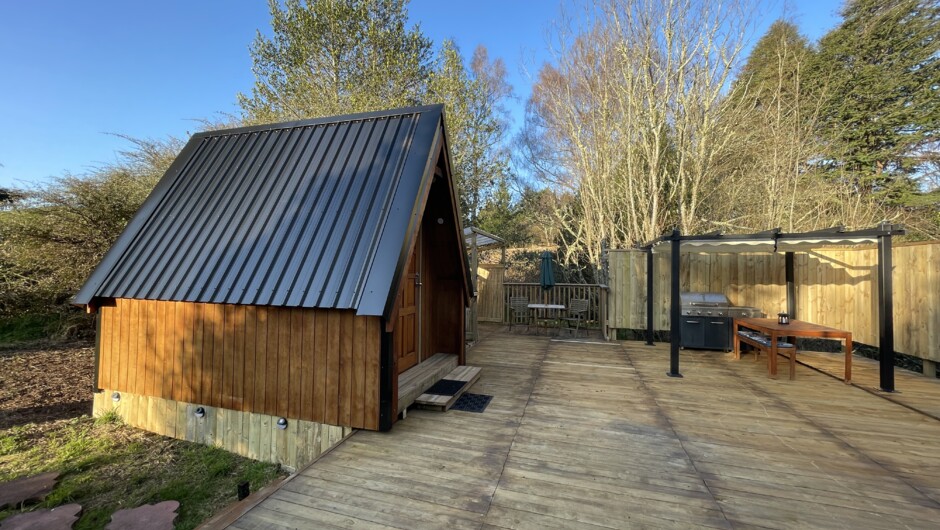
pixel 200 412
pixel 783 318
pixel 115 397
pixel 282 423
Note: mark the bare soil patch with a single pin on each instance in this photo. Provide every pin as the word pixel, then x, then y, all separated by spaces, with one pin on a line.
pixel 104 465
pixel 40 385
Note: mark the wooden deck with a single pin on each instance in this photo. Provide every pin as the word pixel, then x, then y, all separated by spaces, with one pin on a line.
pixel 913 390
pixel 594 435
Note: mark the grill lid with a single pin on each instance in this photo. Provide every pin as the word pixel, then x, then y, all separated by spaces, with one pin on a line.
pixel 704 299
pixel 714 304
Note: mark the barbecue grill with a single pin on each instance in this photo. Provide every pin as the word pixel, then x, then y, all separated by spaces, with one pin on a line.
pixel 706 320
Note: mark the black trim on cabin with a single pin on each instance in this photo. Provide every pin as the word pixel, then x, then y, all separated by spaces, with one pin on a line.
pixel 386 380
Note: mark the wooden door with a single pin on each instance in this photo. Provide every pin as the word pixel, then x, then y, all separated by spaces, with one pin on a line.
pixel 407 330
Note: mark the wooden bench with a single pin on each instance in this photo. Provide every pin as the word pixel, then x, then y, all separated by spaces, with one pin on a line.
pixel 761 343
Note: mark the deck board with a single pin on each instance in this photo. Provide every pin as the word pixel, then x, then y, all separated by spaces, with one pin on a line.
pixel 596 436
pixel 914 390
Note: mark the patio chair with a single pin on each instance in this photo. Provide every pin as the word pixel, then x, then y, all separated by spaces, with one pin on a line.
pixel 519 312
pixel 577 314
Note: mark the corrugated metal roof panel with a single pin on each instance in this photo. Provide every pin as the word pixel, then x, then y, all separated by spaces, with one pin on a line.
pixel 285 215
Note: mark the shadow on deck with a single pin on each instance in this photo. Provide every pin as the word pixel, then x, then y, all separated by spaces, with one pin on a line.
pixel 587 434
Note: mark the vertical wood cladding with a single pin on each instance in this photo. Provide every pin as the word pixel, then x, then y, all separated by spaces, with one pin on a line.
pixel 310 364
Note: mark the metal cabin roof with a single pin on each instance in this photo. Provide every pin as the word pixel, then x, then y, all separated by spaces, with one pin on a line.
pixel 316 213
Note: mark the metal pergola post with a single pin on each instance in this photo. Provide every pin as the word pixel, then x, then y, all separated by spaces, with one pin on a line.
pixel 675 310
pixel 885 314
pixel 649 297
pixel 791 285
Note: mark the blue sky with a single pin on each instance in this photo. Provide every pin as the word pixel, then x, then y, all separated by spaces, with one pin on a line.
pixel 75 74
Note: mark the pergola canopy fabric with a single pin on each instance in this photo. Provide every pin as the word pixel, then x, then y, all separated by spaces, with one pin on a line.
pixel 772 241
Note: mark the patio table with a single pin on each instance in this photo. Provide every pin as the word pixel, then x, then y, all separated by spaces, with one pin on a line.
pixel 796 328
pixel 549 309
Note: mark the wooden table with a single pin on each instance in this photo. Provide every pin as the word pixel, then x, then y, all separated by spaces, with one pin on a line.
pixel 548 308
pixel 796 328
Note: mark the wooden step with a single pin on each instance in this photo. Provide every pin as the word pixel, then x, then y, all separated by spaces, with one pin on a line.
pixel 412 383
pixel 468 374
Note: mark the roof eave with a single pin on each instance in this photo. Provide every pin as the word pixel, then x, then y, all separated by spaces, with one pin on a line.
pixel 89 290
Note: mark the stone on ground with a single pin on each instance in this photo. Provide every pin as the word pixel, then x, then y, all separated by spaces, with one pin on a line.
pixel 59 518
pixel 158 516
pixel 27 489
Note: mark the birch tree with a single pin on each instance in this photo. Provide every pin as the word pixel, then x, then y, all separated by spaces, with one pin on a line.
pixel 629 119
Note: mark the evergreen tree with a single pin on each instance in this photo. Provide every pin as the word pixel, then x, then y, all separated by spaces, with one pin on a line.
pixel 880 71
pixel 503 217
pixel 772 70
pixel 775 114
pixel 331 57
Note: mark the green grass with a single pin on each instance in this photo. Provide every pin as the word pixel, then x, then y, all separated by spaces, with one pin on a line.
pixel 28 328
pixel 106 466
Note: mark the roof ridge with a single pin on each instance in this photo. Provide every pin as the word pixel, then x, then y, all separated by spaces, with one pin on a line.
pixel 321 120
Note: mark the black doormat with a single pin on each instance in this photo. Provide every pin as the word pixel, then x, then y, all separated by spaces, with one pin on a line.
pixel 446 387
pixel 472 402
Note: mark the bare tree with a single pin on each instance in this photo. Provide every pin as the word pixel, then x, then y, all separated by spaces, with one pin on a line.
pixel 630 119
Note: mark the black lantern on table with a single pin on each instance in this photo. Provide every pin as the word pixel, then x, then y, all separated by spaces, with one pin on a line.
pixel 783 318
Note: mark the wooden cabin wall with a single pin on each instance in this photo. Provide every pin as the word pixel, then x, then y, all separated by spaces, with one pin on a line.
pixel 444 303
pixel 308 364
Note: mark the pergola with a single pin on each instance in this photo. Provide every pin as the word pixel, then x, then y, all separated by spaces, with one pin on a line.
pixel 778 241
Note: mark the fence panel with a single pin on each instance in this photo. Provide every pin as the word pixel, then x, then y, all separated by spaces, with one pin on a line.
pixel 490 307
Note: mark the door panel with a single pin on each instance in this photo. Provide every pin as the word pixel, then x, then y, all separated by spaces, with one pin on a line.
pixel 407 329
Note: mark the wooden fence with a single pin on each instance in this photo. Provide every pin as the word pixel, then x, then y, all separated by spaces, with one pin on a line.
pixel 562 293
pixel 836 288
pixel 490 293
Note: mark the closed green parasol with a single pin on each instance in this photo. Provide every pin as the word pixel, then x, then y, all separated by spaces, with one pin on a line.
pixel 546 276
